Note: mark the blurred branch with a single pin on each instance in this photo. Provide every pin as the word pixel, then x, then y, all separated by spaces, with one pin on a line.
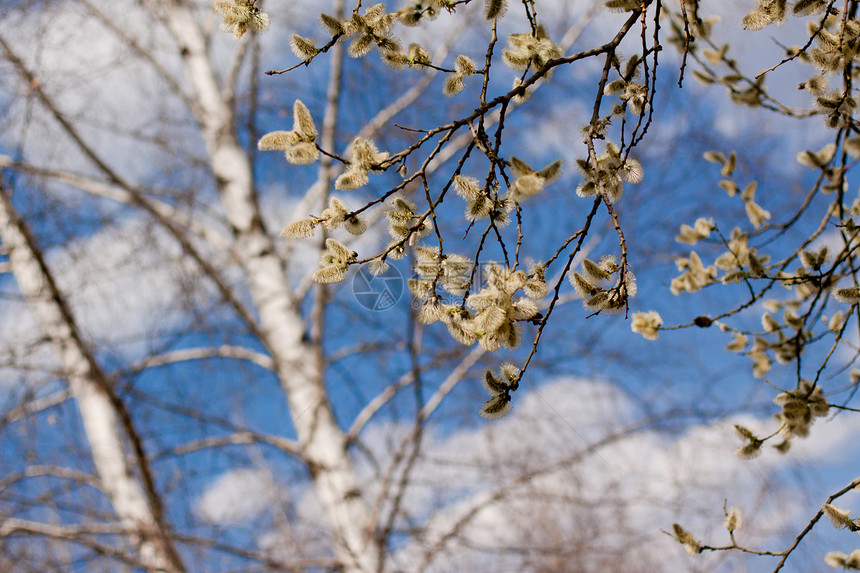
pixel 239 438
pixel 226 351
pixel 35 405
pixel 372 407
pixel 79 534
pixel 54 471
pixel 456 375
pixel 452 380
pixel 165 213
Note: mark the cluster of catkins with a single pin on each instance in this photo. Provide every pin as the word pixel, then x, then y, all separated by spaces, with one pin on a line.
pixel 241 16
pixel 592 285
pixel 491 315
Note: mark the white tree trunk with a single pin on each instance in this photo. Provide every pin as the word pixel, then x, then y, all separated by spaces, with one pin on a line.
pixel 99 410
pixel 322 441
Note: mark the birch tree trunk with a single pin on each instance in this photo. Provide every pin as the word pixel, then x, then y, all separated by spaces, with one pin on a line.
pixel 324 444
pixel 106 421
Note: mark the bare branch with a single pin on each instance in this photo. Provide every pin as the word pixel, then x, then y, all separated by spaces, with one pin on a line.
pixel 239 438
pixel 225 351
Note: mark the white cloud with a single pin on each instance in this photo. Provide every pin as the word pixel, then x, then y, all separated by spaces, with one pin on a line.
pixel 115 100
pixel 619 496
pixel 121 281
pixel 237 495
pixel 551 476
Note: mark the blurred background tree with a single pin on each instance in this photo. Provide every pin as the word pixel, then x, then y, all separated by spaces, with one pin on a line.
pixel 184 390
